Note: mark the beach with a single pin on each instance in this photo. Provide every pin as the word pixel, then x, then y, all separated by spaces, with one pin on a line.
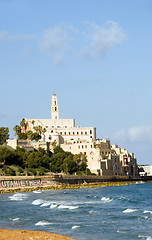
pixel 33 235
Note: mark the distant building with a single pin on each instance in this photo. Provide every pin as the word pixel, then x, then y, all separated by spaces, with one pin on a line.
pixel 102 158
pixel 145 170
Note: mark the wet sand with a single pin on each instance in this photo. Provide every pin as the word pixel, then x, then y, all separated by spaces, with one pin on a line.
pixel 31 235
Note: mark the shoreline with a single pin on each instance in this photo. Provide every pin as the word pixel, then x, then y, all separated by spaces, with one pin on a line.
pixel 68 186
pixel 26 234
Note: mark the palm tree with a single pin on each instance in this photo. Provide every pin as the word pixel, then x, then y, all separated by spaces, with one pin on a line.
pixel 17 129
pixel 23 125
pixel 38 129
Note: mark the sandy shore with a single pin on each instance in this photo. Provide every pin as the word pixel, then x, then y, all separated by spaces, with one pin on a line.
pixel 32 235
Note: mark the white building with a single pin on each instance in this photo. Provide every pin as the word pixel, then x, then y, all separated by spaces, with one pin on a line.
pixel 61 130
pixel 102 157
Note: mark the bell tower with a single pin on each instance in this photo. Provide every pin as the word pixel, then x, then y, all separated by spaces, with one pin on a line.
pixel 54 108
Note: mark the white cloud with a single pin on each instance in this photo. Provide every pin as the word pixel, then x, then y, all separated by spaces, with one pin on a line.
pixel 140 134
pixel 135 134
pixel 56 42
pixel 5 36
pixel 101 39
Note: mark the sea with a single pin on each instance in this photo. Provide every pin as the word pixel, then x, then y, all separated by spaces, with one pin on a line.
pixel 106 213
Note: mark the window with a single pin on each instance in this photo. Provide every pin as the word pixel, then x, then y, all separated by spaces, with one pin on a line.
pixel 91 146
pixel 77 133
pixel 73 133
pixel 79 146
pixel 82 146
pixel 65 126
pixel 61 133
pixel 55 108
pixel 81 133
pixel 85 153
pixel 51 131
pixel 90 131
pixel 85 133
pixel 69 133
pixel 85 146
pixel 65 133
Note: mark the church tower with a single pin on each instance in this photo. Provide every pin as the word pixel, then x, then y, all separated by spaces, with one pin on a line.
pixel 54 108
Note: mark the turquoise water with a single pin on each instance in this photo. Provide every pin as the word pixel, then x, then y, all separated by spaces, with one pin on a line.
pixel 107 213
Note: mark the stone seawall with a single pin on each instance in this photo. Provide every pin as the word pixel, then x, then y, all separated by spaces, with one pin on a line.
pixel 21 182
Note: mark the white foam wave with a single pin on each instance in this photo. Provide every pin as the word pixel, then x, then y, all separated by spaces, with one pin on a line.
pixel 147 211
pixel 67 207
pixel 93 212
pixel 53 205
pixel 38 202
pixel 37 191
pixel 14 219
pixel 124 198
pixel 141 236
pixel 149 238
pixel 45 204
pixel 129 210
pixel 42 223
pixel 121 232
pixel 18 197
pixel 75 226
pixel 106 199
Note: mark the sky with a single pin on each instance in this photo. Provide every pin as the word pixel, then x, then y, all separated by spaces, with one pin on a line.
pixel 96 55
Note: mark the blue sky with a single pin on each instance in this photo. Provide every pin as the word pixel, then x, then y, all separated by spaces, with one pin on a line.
pixel 96 55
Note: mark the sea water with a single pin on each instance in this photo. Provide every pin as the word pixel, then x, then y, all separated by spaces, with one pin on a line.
pixel 107 213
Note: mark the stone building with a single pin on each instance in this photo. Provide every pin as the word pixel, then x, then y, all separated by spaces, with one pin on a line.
pixel 102 158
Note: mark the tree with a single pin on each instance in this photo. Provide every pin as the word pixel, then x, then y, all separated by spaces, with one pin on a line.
pixel 17 129
pixel 35 136
pixel 58 149
pixel 4 134
pixel 38 129
pixel 23 125
pixel 29 133
pixel 22 136
pixel 33 122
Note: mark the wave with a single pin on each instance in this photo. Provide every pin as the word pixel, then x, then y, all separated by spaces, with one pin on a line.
pixel 121 232
pixel 106 199
pixel 53 205
pixel 75 226
pixel 38 202
pixel 45 204
pixel 14 219
pixel 129 210
pixel 124 198
pixel 37 191
pixel 67 207
pixel 147 211
pixel 43 223
pixel 93 212
pixel 18 197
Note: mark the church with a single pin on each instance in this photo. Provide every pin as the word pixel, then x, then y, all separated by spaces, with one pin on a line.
pixel 103 158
